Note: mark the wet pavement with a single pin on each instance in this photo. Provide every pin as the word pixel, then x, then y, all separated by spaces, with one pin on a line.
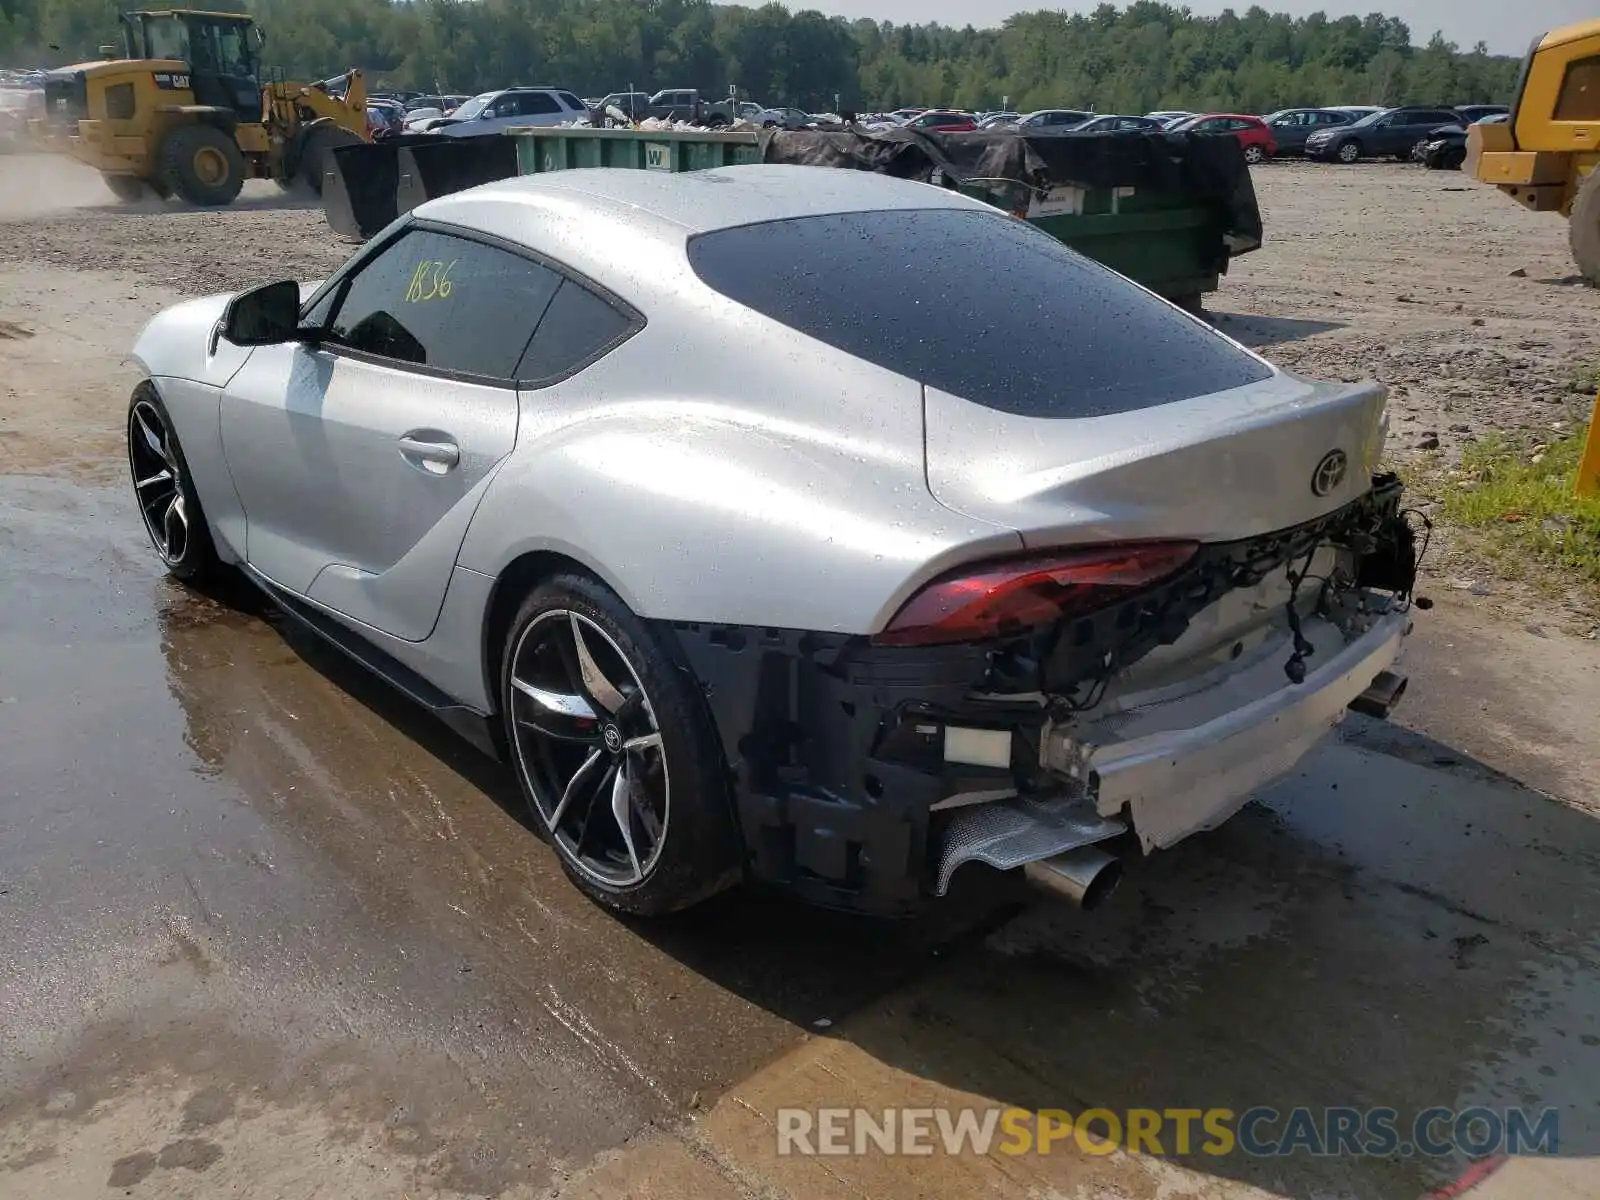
pixel 248 887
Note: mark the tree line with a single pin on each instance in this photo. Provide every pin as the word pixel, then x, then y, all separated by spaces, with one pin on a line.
pixel 1143 57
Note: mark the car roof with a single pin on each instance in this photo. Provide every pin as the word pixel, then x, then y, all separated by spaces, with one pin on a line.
pixel 677 205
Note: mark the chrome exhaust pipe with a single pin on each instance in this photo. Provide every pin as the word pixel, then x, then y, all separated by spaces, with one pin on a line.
pixel 1085 876
pixel 1380 698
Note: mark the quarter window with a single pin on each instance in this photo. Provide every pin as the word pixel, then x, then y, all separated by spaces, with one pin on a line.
pixel 577 328
pixel 434 300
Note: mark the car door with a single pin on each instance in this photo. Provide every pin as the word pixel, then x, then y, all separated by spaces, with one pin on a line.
pixel 360 453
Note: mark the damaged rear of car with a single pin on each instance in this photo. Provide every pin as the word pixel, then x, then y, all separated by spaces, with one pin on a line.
pixel 1208 572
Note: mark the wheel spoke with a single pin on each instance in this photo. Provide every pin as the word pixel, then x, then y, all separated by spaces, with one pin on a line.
pixel 151 438
pixel 552 708
pixel 174 527
pixel 594 680
pixel 582 778
pixel 622 810
pixel 161 476
pixel 650 741
pixel 588 812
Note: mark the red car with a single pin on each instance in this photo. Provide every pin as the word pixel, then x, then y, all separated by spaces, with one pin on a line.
pixel 943 121
pixel 1252 132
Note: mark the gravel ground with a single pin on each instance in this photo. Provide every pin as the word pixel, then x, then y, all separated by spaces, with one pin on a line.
pixel 1462 302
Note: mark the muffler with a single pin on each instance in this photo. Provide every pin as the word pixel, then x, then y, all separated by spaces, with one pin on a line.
pixel 1085 876
pixel 1380 698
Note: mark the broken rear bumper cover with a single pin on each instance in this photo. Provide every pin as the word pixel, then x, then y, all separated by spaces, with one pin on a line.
pixel 865 776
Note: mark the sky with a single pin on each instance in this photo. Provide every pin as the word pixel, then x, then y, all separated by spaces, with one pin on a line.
pixel 1508 28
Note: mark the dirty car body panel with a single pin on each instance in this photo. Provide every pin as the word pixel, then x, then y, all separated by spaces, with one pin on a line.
pixel 945 594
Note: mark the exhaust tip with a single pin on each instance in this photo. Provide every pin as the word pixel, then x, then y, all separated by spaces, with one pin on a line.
pixel 1084 876
pixel 1380 698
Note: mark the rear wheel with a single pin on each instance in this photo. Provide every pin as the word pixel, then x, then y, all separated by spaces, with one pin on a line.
pixel 1418 149
pixel 1254 154
pixel 1583 228
pixel 203 165
pixel 615 752
pixel 127 188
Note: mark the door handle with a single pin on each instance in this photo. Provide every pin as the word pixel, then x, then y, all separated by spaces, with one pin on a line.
pixel 435 455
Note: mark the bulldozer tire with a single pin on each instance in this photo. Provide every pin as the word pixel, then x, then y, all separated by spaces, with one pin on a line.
pixel 127 188
pixel 316 158
pixel 1583 228
pixel 203 166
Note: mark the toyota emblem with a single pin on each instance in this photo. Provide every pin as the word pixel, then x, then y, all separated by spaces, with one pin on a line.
pixel 1330 472
pixel 613 738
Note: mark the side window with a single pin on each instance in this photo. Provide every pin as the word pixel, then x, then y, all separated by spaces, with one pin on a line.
pixel 537 104
pixel 577 328
pixel 444 302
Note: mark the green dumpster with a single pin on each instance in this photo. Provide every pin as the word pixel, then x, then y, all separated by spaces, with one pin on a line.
pixel 1171 240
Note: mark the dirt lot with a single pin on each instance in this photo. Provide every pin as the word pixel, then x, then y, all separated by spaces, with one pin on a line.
pixel 266 931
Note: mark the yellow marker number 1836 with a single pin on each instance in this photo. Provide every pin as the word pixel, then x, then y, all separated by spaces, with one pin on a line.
pixel 430 281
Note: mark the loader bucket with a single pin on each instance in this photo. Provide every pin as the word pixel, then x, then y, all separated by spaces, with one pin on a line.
pixel 447 165
pixel 359 190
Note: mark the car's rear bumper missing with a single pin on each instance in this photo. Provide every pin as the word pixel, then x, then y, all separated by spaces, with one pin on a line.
pixel 1178 765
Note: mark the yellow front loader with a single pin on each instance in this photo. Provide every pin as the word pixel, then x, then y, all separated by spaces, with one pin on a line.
pixel 186 112
pixel 1545 156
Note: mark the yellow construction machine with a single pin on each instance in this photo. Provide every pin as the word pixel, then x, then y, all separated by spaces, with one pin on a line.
pixel 1544 155
pixel 187 111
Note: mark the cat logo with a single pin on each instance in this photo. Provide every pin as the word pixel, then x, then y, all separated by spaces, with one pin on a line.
pixel 172 81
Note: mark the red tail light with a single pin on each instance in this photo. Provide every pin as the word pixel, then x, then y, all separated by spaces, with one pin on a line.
pixel 997 598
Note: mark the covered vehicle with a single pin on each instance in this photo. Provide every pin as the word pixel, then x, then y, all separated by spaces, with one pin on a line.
pixel 795 556
pixel 1291 127
pixel 1393 132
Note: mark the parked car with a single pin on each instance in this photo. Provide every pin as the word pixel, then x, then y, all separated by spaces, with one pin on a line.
pixel 940 120
pixel 1357 111
pixel 686 104
pixel 1054 615
pixel 1471 114
pixel 1169 117
pixel 1445 149
pixel 1252 132
pixel 998 120
pixel 1395 132
pixel 905 114
pixel 1292 126
pixel 1116 124
pixel 493 112
pixel 422 119
pixel 445 104
pixel 786 118
pixel 385 118
pixel 1052 118
pixel 633 105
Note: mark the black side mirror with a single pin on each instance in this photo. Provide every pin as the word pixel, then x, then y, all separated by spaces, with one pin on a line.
pixel 268 315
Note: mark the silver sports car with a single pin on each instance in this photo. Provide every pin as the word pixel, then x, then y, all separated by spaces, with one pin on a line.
pixel 730 508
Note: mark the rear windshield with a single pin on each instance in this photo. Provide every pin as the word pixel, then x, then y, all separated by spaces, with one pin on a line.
pixel 977 304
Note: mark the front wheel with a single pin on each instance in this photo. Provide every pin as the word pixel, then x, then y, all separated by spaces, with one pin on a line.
pixel 1583 228
pixel 615 752
pixel 316 158
pixel 1349 152
pixel 167 500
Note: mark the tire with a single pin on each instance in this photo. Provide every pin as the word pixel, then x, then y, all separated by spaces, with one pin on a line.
pixel 127 188
pixel 1583 228
pixel 1254 154
pixel 314 157
pixel 202 165
pixel 581 651
pixel 1348 152
pixel 170 508
pixel 716 121
pixel 1418 149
